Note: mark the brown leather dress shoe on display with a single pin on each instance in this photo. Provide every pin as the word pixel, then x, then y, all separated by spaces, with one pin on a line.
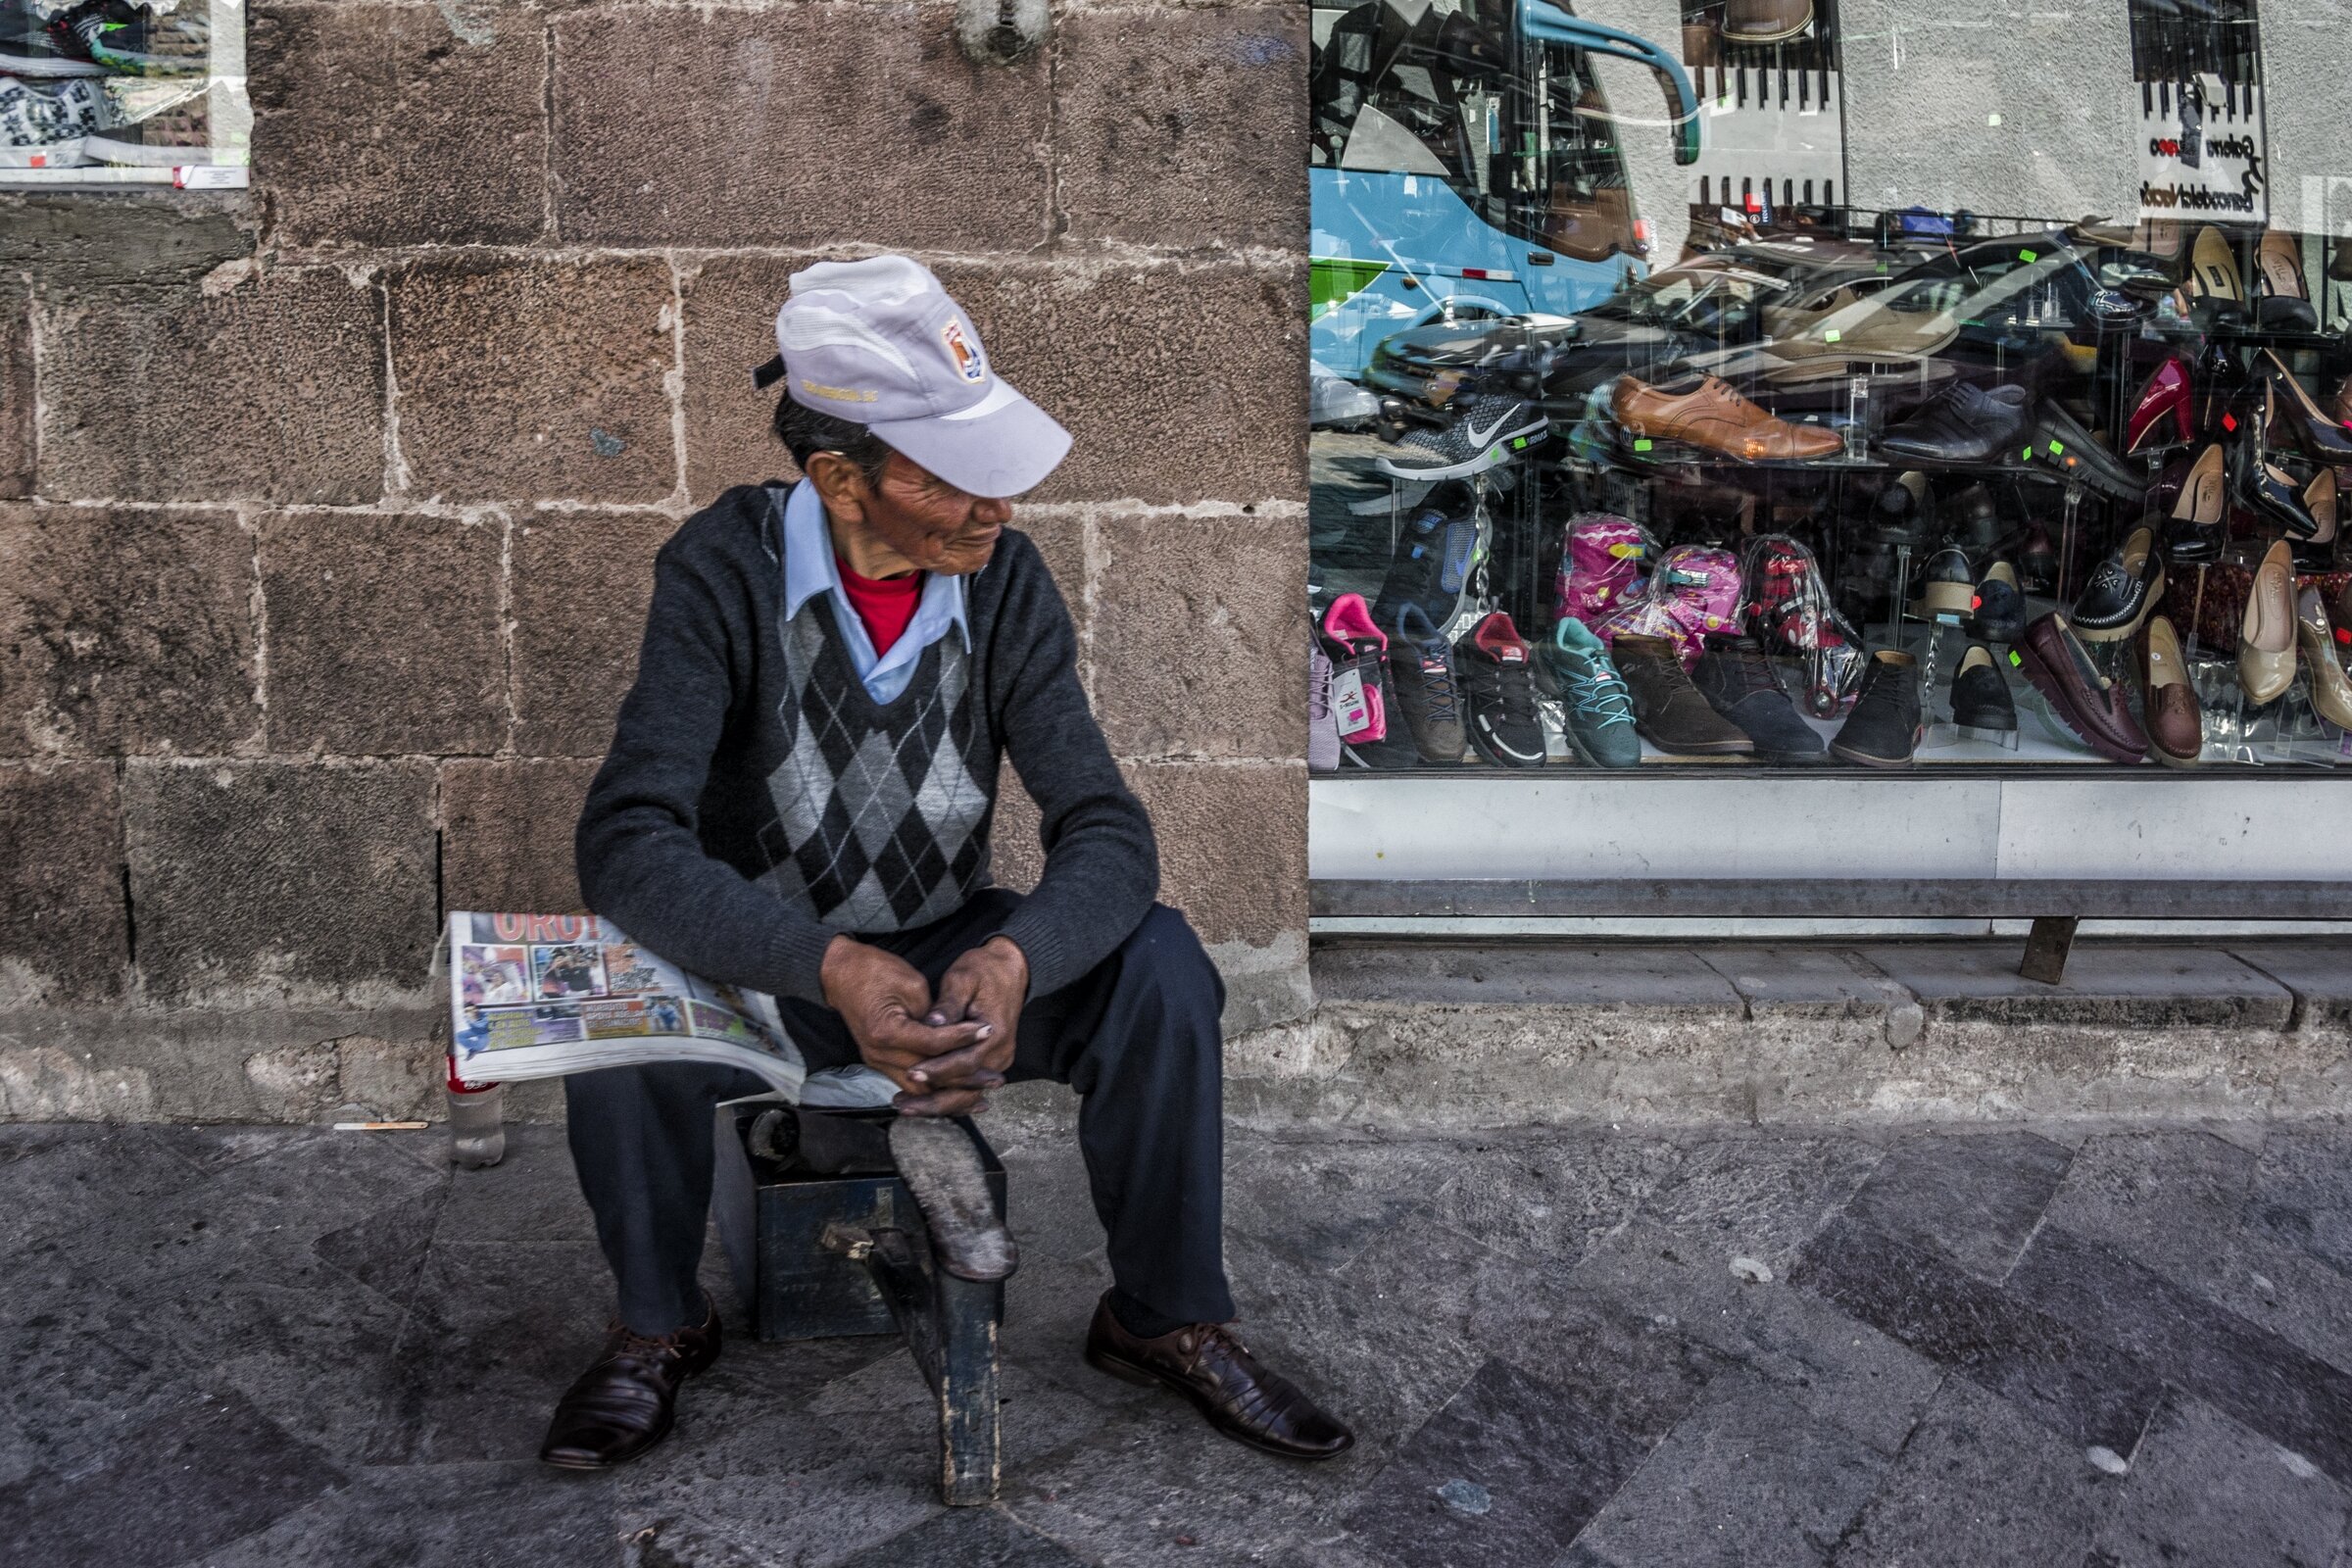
pixel 1207 1364
pixel 625 1403
pixel 1712 415
pixel 2168 704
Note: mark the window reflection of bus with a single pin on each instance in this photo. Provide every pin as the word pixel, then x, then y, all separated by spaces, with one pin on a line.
pixel 1465 165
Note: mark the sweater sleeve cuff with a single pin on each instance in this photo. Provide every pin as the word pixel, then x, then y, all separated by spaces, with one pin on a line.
pixel 797 960
pixel 1035 934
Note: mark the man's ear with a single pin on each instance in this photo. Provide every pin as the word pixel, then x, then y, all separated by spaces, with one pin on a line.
pixel 840 484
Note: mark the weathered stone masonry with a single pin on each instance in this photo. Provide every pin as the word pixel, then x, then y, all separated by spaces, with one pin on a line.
pixel 326 507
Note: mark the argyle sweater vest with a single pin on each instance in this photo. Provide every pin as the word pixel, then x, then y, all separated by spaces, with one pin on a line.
pixel 881 817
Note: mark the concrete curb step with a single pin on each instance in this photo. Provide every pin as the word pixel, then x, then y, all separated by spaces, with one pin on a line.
pixel 1423 1034
pixel 1461 1035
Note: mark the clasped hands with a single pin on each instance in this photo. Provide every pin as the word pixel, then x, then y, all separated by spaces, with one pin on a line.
pixel 944 1053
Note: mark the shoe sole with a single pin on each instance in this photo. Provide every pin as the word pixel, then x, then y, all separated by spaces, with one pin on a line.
pixel 2038 676
pixel 48 69
pixel 1864 760
pixel 1738 747
pixel 1955 599
pixel 1127 1371
pixel 651 1444
pixel 1498 757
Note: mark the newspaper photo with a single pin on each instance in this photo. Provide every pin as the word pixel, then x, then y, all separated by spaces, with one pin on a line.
pixel 537 996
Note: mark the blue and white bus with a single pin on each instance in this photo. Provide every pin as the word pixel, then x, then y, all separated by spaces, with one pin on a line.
pixel 1466 164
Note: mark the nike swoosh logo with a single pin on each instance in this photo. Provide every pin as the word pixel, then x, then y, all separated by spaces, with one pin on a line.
pixel 1479 438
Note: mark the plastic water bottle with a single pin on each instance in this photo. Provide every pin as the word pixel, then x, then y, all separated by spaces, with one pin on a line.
pixel 477 1131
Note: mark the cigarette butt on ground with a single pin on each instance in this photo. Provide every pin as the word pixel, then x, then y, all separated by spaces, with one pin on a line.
pixel 381 1126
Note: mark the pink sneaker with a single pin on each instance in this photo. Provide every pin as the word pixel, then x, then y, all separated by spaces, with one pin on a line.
pixel 1360 680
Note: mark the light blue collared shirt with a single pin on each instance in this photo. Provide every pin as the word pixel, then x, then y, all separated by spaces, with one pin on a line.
pixel 808 570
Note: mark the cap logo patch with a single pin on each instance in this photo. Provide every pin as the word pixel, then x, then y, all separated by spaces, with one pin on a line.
pixel 836 394
pixel 965 352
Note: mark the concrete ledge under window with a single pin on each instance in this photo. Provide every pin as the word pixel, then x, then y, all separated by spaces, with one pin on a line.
pixel 1501 1034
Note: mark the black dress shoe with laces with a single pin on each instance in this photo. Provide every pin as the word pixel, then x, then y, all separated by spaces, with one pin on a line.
pixel 627 1403
pixel 1961 423
pixel 1209 1365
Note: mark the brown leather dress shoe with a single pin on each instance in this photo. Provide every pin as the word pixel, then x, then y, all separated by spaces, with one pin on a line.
pixel 625 1403
pixel 1712 415
pixel 2085 700
pixel 1207 1364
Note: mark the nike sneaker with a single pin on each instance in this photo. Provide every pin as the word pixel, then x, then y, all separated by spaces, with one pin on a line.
pixel 46 127
pixel 30 49
pixel 1491 429
pixel 1425 708
pixel 130 41
pixel 1576 676
pixel 1498 672
pixel 1435 567
pixel 1358 652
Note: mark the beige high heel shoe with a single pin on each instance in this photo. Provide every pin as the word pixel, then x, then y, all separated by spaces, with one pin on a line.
pixel 2213 267
pixel 2330 691
pixel 2266 636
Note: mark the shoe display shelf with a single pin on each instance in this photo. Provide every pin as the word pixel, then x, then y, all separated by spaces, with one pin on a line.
pixel 170 111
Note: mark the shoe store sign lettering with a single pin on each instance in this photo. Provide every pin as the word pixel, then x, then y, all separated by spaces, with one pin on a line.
pixel 2203 156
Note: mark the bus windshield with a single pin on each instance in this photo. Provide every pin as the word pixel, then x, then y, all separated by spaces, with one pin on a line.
pixel 1518 129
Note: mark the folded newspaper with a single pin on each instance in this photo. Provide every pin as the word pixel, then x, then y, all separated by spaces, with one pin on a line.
pixel 538 995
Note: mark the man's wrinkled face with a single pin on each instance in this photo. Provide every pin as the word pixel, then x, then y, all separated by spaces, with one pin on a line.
pixel 923 519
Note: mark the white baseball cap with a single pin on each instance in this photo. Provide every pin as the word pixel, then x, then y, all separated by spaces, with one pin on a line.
pixel 879 343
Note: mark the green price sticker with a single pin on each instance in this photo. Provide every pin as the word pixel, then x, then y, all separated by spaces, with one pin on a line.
pixel 2027 256
pixel 2057 449
pixel 2015 660
pixel 1832 335
pixel 1642 444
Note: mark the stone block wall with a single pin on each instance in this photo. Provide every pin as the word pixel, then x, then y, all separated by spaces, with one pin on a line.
pixel 326 509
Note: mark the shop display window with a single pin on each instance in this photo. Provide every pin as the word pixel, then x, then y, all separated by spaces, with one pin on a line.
pixel 111 93
pixel 1792 481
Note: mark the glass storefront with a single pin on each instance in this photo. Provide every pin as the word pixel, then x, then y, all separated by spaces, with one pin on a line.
pixel 100 93
pixel 1690 402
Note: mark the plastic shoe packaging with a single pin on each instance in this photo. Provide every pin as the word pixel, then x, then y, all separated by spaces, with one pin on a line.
pixel 1790 611
pixel 1603 557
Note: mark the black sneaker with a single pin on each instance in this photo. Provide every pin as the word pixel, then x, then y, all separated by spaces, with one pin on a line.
pixel 1980 697
pixel 2000 613
pixel 2059 440
pixel 1488 429
pixel 1436 559
pixel 1498 668
pixel 1738 682
pixel 1425 708
pixel 30 47
pixel 1883 730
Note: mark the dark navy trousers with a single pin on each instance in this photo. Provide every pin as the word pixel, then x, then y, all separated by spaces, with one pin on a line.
pixel 1136 1037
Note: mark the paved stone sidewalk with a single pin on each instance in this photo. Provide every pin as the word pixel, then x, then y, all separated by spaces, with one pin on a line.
pixel 2089 1349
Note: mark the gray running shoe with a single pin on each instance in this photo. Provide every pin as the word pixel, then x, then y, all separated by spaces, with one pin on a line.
pixel 1489 430
pixel 1423 695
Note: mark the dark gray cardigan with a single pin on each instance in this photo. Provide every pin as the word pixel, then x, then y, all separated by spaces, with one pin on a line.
pixel 681 841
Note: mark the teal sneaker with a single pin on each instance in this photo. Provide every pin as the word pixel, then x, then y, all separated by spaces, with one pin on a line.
pixel 1597 712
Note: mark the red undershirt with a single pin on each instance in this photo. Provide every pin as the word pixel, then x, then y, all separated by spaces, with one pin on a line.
pixel 884 604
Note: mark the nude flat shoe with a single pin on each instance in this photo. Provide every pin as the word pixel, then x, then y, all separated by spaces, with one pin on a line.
pixel 2266 637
